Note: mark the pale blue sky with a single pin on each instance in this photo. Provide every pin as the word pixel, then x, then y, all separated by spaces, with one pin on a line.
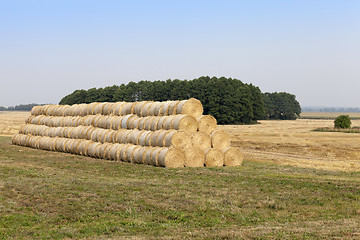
pixel 309 48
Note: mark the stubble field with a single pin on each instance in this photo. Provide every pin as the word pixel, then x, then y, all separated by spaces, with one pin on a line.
pixel 294 184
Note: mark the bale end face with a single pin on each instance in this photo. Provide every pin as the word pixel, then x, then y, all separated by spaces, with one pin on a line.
pixel 232 157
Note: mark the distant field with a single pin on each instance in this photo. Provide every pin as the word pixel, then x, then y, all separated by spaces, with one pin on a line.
pixel 11 121
pixel 328 115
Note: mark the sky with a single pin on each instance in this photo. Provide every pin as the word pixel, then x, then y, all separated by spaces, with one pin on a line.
pixel 308 48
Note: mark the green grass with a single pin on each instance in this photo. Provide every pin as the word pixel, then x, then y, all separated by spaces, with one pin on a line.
pixel 48 195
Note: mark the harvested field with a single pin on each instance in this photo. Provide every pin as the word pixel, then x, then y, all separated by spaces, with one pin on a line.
pixel 294 143
pixel 10 122
pixel 328 115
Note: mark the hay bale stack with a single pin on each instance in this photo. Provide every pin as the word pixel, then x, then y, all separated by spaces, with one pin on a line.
pixel 168 134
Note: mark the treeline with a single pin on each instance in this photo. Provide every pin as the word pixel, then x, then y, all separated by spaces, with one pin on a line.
pixel 21 107
pixel 229 100
pixel 330 109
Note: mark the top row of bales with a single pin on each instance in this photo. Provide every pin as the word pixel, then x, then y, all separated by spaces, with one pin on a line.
pixel 192 107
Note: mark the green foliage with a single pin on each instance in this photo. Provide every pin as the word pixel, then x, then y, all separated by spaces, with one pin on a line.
pixel 229 100
pixel 21 107
pixel 342 121
pixel 281 105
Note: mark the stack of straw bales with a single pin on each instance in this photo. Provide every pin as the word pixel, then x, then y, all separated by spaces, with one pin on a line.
pixel 169 134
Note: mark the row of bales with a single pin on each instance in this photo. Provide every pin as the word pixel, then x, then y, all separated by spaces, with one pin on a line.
pixel 169 134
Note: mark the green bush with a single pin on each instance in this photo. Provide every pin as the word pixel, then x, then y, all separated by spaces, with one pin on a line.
pixel 342 121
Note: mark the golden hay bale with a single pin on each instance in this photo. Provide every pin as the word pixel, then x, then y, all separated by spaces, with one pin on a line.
pixel 154 109
pixel 106 109
pixel 220 139
pixel 114 151
pixel 134 123
pixel 29 119
pixel 36 110
pixel 98 108
pixel 145 109
pixel 127 109
pixel 108 136
pixel 134 136
pixel 130 153
pixel 171 158
pixel 184 123
pixel 142 137
pixel 232 157
pixel 103 150
pixel 206 123
pixel 154 123
pixel 214 158
pixel 155 156
pixel 201 140
pixel 147 155
pixel 116 109
pixel 168 123
pixel 164 109
pixel 161 122
pixel 83 110
pixel 158 139
pixel 125 123
pixel 192 107
pixel 137 107
pixel 139 155
pixel 172 107
pixel 194 157
pixel 123 152
pixel 119 135
pixel 177 139
pixel 150 121
pixel 88 120
pixel 116 123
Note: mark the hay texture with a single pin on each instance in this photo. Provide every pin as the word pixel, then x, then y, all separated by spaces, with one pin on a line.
pixel 169 134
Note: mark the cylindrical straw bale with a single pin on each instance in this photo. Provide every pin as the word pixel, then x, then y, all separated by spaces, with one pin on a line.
pixel 145 109
pixel 172 108
pixel 220 139
pixel 127 109
pixel 201 140
pixel 150 121
pixel 119 134
pixel 115 152
pixel 130 153
pixel 177 139
pixel 161 122
pixel 154 123
pixel 83 110
pixel 103 153
pixel 106 110
pixel 194 157
pixel 98 108
pixel 147 155
pixel 140 155
pixel 134 136
pixel 158 139
pixel 164 109
pixel 126 137
pixel 116 123
pixel 116 110
pixel 184 123
pixel 214 158
pixel 232 157
pixel 142 137
pixel 107 136
pixel 192 107
pixel 124 121
pixel 154 156
pixel 35 110
pixel 171 158
pixel 154 109
pixel 123 152
pixel 206 123
pixel 134 123
pixel 137 107
pixel 168 122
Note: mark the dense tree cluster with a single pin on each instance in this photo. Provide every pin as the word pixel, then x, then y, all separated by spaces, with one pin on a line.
pixel 229 100
pixel 281 105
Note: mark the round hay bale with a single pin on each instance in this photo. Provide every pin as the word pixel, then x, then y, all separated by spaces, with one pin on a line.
pixel 220 139
pixel 191 107
pixel 102 123
pixel 106 110
pixel 142 137
pixel 123 152
pixel 29 119
pixel 154 123
pixel 171 158
pixel 146 109
pixel 134 135
pixel 140 155
pixel 177 139
pixel 35 110
pixel 108 136
pixel 148 139
pixel 117 108
pixel 127 109
pixel 154 156
pixel 172 108
pixel 148 122
pixel 114 152
pixel 161 123
pixel 103 153
pixel 124 121
pixel 194 157
pixel 141 124
pixel 83 110
pixel 154 109
pixel 201 140
pixel 206 124
pixel 98 108
pixel 137 107
pixel 168 123
pixel 147 155
pixel 116 123
pixel 158 139
pixel 130 153
pixel 119 134
pixel 184 123
pixel 134 123
pixel 126 138
pixel 232 157
pixel 164 109
pixel 214 158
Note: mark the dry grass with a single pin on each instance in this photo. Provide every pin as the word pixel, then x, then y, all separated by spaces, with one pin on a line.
pixel 294 143
pixel 10 122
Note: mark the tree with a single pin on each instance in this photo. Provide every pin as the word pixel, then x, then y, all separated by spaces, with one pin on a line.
pixel 342 121
pixel 281 105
